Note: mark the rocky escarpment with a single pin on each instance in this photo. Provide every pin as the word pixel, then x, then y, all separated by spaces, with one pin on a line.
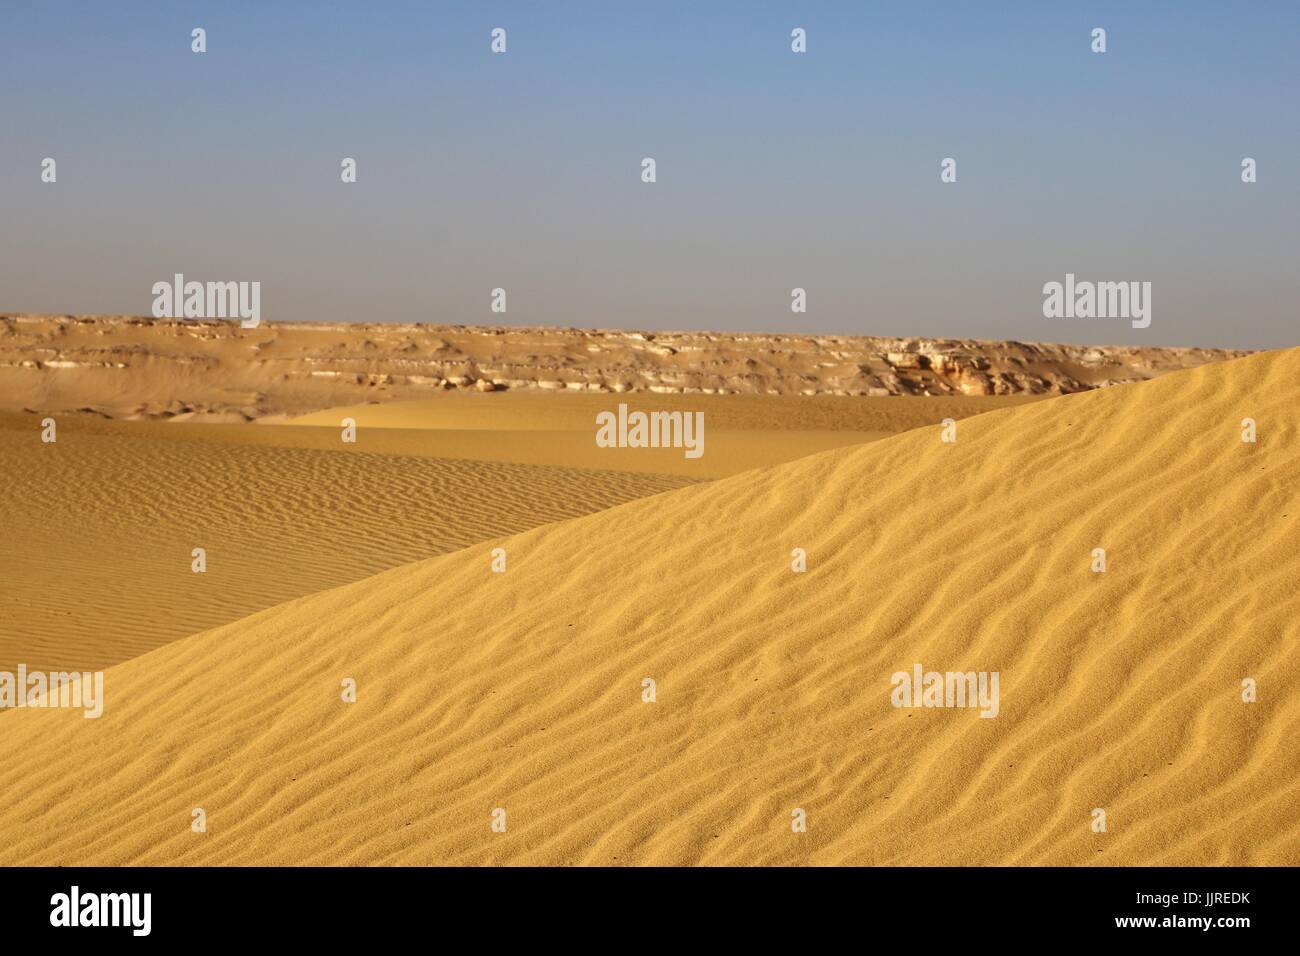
pixel 134 366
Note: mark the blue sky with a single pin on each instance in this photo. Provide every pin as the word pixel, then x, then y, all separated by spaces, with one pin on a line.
pixel 775 170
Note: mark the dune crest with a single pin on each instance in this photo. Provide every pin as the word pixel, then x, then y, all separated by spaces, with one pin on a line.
pixel 522 690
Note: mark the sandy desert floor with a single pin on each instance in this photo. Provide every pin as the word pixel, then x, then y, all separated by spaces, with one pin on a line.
pixel 101 524
pixel 523 690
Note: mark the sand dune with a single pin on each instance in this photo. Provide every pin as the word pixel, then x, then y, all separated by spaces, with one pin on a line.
pixel 99 527
pixel 522 690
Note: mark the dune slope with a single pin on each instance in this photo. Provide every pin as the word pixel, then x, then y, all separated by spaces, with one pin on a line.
pixel 523 690
pixel 99 528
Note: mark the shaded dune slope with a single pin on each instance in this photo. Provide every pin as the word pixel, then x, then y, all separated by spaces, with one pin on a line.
pixel 522 690
pixel 98 528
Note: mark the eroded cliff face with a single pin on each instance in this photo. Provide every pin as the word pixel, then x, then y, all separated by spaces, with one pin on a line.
pixel 127 366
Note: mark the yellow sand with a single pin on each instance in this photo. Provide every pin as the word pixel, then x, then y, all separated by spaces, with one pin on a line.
pixel 522 690
pixel 100 526
pixel 285 511
pixel 741 431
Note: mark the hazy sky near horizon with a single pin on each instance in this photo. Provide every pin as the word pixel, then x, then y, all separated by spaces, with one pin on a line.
pixel 775 169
